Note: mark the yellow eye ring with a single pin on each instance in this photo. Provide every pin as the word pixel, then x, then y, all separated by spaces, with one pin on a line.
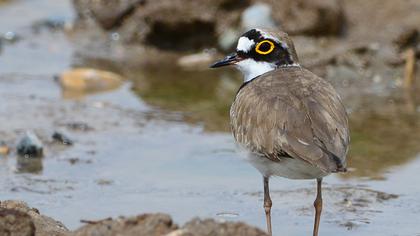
pixel 257 48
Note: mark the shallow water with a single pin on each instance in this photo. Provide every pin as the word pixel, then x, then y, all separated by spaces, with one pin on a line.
pixel 161 143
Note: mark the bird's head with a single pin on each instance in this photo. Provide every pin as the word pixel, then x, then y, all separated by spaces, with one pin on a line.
pixel 259 51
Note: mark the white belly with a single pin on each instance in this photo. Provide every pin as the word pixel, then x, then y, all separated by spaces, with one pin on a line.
pixel 287 167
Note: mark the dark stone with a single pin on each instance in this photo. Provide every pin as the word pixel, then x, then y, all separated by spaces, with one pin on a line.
pixel 61 138
pixel 30 146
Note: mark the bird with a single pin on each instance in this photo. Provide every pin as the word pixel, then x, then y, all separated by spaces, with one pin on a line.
pixel 291 122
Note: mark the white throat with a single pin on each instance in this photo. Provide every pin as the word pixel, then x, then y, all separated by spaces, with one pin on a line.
pixel 251 68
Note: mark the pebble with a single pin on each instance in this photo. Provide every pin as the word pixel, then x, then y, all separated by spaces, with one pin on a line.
pixel 88 79
pixel 61 138
pixel 30 146
pixel 4 149
pixel 10 37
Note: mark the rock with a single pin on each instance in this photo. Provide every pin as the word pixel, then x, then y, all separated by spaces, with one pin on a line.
pixel 193 27
pixel 146 224
pixel 257 16
pixel 170 25
pixel 4 149
pixel 30 146
pixel 318 17
pixel 61 138
pixel 16 223
pixel 108 14
pixel 210 227
pixel 10 37
pixel 26 218
pixel 89 80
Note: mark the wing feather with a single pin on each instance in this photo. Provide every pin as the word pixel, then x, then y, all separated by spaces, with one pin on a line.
pixel 293 112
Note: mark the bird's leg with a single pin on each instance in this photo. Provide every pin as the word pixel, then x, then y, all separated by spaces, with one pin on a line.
pixel 318 206
pixel 267 205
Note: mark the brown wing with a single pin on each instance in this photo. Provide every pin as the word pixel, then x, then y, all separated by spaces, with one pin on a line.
pixel 292 111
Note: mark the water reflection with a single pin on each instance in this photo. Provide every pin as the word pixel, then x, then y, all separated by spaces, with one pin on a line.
pixel 385 133
pixel 384 129
pixel 29 165
pixel 204 96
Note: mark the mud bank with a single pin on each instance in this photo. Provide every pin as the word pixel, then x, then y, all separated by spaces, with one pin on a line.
pixel 18 219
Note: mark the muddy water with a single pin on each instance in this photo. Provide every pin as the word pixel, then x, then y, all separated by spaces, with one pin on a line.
pixel 160 143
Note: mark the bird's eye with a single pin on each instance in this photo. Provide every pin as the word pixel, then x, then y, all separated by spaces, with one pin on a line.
pixel 264 47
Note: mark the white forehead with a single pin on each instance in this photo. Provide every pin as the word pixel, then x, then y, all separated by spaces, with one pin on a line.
pixel 245 44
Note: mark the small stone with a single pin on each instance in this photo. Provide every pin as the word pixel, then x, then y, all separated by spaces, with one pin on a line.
pixel 30 146
pixel 4 149
pixel 11 37
pixel 61 138
pixel 87 79
pixel 257 16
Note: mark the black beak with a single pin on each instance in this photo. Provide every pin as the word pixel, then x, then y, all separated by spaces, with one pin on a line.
pixel 229 60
